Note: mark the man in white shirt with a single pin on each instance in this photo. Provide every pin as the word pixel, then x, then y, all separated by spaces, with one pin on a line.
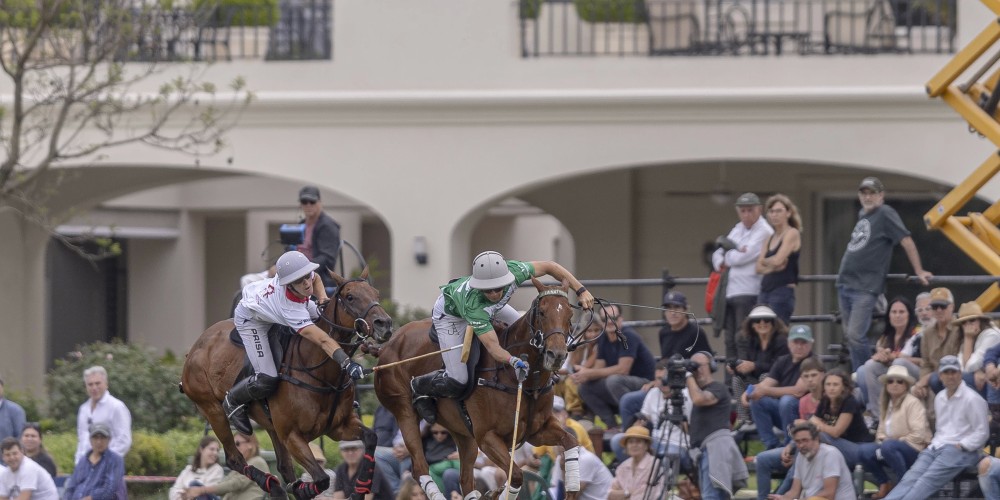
pixel 820 469
pixel 103 408
pixel 962 431
pixel 23 479
pixel 595 478
pixel 743 285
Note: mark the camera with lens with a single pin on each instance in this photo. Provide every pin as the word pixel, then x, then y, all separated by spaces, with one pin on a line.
pixel 292 234
pixel 677 370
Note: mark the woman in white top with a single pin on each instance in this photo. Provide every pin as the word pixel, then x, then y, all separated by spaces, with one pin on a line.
pixel 203 471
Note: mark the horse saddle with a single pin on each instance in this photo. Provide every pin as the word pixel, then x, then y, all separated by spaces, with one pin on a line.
pixel 472 365
pixel 278 337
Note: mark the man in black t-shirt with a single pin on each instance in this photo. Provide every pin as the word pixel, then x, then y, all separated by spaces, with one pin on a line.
pixel 775 401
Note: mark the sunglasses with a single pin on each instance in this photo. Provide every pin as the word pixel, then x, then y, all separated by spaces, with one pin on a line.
pixel 761 320
pixel 303 279
pixel 939 307
pixel 439 433
pixel 895 381
pixel 307 202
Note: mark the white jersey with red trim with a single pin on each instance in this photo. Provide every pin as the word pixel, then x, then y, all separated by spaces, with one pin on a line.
pixel 276 303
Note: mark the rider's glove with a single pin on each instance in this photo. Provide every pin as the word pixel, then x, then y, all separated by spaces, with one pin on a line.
pixel 520 368
pixel 354 370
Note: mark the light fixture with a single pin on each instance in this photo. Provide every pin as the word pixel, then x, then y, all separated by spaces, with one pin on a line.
pixel 420 250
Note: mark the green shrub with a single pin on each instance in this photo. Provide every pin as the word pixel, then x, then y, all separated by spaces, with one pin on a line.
pixel 144 381
pixel 610 11
pixel 244 12
pixel 529 9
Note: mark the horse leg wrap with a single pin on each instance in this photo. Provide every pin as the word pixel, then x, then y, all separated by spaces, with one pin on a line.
pixel 306 491
pixel 475 495
pixel 363 484
pixel 263 479
pixel 573 469
pixel 512 492
pixel 430 488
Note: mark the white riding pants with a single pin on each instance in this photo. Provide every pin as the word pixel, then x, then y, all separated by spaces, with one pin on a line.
pixel 253 332
pixel 451 332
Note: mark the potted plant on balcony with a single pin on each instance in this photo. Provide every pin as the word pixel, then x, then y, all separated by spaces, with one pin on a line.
pixel 616 25
pixel 249 21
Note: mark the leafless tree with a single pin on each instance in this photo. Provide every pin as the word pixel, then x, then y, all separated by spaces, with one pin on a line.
pixel 76 72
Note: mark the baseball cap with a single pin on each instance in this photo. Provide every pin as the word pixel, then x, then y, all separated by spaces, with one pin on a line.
pixel 747 199
pixel 949 363
pixel 309 193
pixel 871 183
pixel 942 295
pixel 675 299
pixel 351 444
pixel 800 332
pixel 100 428
pixel 558 404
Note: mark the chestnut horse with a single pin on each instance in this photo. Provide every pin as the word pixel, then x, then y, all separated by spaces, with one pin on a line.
pixel 541 334
pixel 315 399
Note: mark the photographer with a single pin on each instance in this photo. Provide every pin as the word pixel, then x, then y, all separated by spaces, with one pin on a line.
pixel 721 469
pixel 669 437
pixel 322 236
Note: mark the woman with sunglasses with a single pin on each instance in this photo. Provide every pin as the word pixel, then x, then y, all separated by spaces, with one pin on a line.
pixel 767 340
pixel 31 445
pixel 473 302
pixel 901 435
pixel 894 347
pixel 284 300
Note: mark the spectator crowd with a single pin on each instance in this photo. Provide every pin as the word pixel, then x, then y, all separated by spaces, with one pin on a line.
pixel 914 409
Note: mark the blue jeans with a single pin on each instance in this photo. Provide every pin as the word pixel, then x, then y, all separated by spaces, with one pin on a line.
pixel 849 449
pixel 990 482
pixel 896 454
pixel 629 405
pixel 932 471
pixel 856 309
pixel 766 463
pixel 708 490
pixel 781 300
pixel 769 411
pixel 389 467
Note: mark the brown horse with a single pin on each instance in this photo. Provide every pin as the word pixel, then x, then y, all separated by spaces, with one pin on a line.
pixel 317 400
pixel 541 334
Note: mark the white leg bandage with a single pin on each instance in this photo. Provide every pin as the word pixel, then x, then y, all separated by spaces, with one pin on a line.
pixel 430 488
pixel 512 492
pixel 573 469
pixel 472 496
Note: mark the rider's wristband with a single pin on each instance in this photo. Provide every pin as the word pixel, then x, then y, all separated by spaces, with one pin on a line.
pixel 341 357
pixel 579 291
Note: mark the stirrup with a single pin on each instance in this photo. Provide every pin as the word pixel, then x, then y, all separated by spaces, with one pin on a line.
pixel 237 416
pixel 426 408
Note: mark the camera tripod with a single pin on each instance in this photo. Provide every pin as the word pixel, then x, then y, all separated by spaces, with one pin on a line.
pixel 666 465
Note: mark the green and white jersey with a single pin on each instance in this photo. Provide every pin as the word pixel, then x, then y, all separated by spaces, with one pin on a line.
pixel 470 304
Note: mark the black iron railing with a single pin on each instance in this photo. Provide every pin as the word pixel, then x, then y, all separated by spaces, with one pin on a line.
pixel 735 27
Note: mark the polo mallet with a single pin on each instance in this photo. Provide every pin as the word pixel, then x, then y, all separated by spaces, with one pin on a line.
pixel 513 439
pixel 368 371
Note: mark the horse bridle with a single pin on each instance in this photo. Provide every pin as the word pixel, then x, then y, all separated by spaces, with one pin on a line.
pixel 538 337
pixel 361 326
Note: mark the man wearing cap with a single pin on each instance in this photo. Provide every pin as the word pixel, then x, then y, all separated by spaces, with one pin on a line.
pixel 961 432
pixel 678 336
pixel 101 472
pixel 743 281
pixel 322 238
pixel 861 278
pixel 937 341
pixel 775 400
pixel 352 452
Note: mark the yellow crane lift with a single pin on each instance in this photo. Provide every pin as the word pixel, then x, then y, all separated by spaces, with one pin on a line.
pixel 977 101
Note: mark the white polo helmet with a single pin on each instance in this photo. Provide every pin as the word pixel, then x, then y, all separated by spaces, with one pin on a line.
pixel 489 271
pixel 292 266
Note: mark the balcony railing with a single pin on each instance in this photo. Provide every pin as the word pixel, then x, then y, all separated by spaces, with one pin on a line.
pixel 735 27
pixel 139 32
